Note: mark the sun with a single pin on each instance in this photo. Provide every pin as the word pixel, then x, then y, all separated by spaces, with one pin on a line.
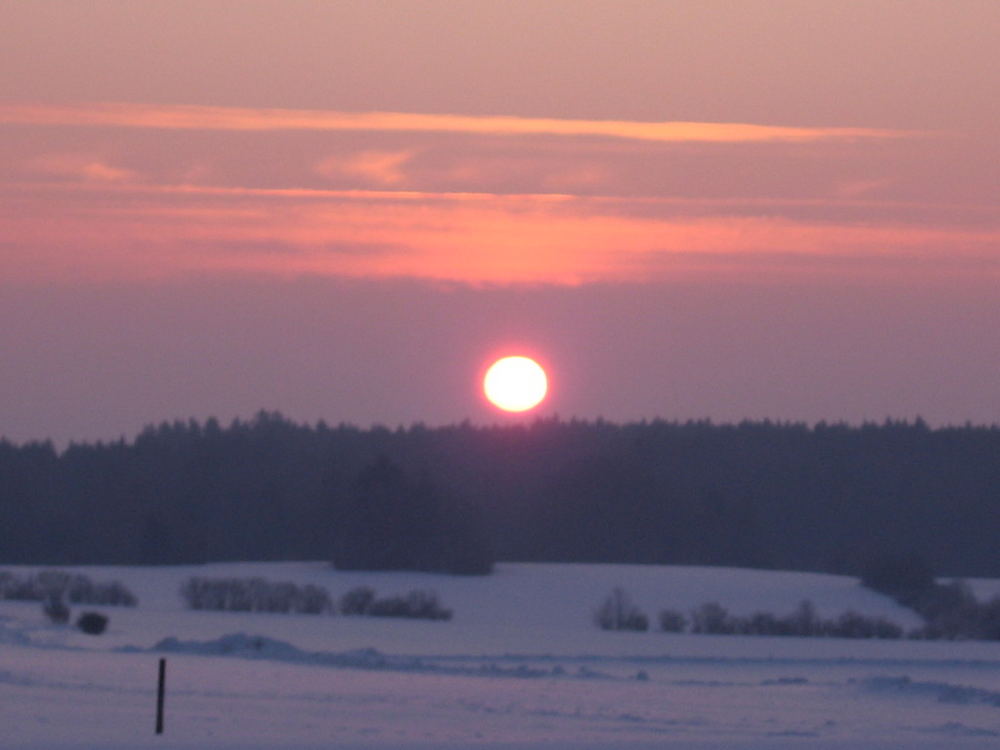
pixel 515 384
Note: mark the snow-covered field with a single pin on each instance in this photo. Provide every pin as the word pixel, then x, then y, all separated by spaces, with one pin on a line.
pixel 520 665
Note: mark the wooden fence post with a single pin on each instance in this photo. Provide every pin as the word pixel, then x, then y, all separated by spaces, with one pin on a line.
pixel 159 696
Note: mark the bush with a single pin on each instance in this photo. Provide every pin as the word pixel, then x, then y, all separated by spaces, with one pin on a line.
pixel 949 610
pixel 853 625
pixel 425 605
pixel 712 618
pixel 81 590
pixel 619 613
pixel 314 600
pixel 357 601
pixel 763 623
pixel 952 612
pixel 989 619
pixel 78 589
pixel 56 611
pixel 804 621
pixel 420 605
pixel 672 621
pixel 92 623
pixel 254 595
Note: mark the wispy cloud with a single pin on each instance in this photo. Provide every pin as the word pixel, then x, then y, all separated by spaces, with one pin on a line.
pixel 861 188
pixel 85 167
pixel 190 117
pixel 375 167
pixel 123 232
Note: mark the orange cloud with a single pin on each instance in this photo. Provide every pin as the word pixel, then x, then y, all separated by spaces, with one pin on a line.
pixel 469 238
pixel 861 188
pixel 376 167
pixel 80 166
pixel 191 117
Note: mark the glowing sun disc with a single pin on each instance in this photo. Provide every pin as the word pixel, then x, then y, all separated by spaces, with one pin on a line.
pixel 515 383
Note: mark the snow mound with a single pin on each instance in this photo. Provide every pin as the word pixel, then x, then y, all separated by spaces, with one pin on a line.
pixel 957 729
pixel 234 644
pixel 11 636
pixel 942 691
pixel 246 646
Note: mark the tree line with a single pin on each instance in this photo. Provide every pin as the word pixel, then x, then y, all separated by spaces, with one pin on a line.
pixel 825 497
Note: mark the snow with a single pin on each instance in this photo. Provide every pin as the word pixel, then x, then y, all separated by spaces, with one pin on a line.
pixel 520 665
pixel 984 588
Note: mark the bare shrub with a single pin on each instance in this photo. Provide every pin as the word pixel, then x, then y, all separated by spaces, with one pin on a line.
pixel 804 622
pixel 314 600
pixel 56 611
pixel 357 601
pixel 393 606
pixel 81 590
pixel 617 612
pixel 672 621
pixel 712 618
pixel 254 595
pixel 426 605
pixel 853 625
pixel 417 604
pixel 74 587
pixel 989 619
pixel 951 611
pixel 762 623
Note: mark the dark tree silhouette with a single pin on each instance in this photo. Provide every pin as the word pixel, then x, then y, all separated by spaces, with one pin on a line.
pixel 394 523
pixel 825 498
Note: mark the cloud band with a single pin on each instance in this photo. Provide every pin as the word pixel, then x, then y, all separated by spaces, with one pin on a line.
pixel 193 117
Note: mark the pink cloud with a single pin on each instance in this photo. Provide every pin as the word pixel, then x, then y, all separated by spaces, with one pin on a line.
pixel 192 117
pixel 860 188
pixel 384 168
pixel 469 238
pixel 80 166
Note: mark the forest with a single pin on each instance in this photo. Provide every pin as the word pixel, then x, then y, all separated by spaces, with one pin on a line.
pixel 824 497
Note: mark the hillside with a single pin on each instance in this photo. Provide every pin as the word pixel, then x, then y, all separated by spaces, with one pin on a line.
pixel 520 665
pixel 524 607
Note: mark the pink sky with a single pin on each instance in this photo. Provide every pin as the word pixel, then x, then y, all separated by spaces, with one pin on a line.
pixel 688 209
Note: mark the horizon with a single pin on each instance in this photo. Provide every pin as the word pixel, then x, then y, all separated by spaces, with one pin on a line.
pixel 521 422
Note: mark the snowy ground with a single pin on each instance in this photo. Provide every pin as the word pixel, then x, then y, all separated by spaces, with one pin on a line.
pixel 520 665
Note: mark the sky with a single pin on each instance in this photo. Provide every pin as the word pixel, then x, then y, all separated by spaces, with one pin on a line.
pixel 684 209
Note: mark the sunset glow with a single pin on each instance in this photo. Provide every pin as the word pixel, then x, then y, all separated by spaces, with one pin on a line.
pixel 710 209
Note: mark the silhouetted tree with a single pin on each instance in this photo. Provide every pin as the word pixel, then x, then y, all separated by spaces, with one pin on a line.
pixel 394 523
pixel 904 577
pixel 768 494
pixel 618 612
pixel 154 543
